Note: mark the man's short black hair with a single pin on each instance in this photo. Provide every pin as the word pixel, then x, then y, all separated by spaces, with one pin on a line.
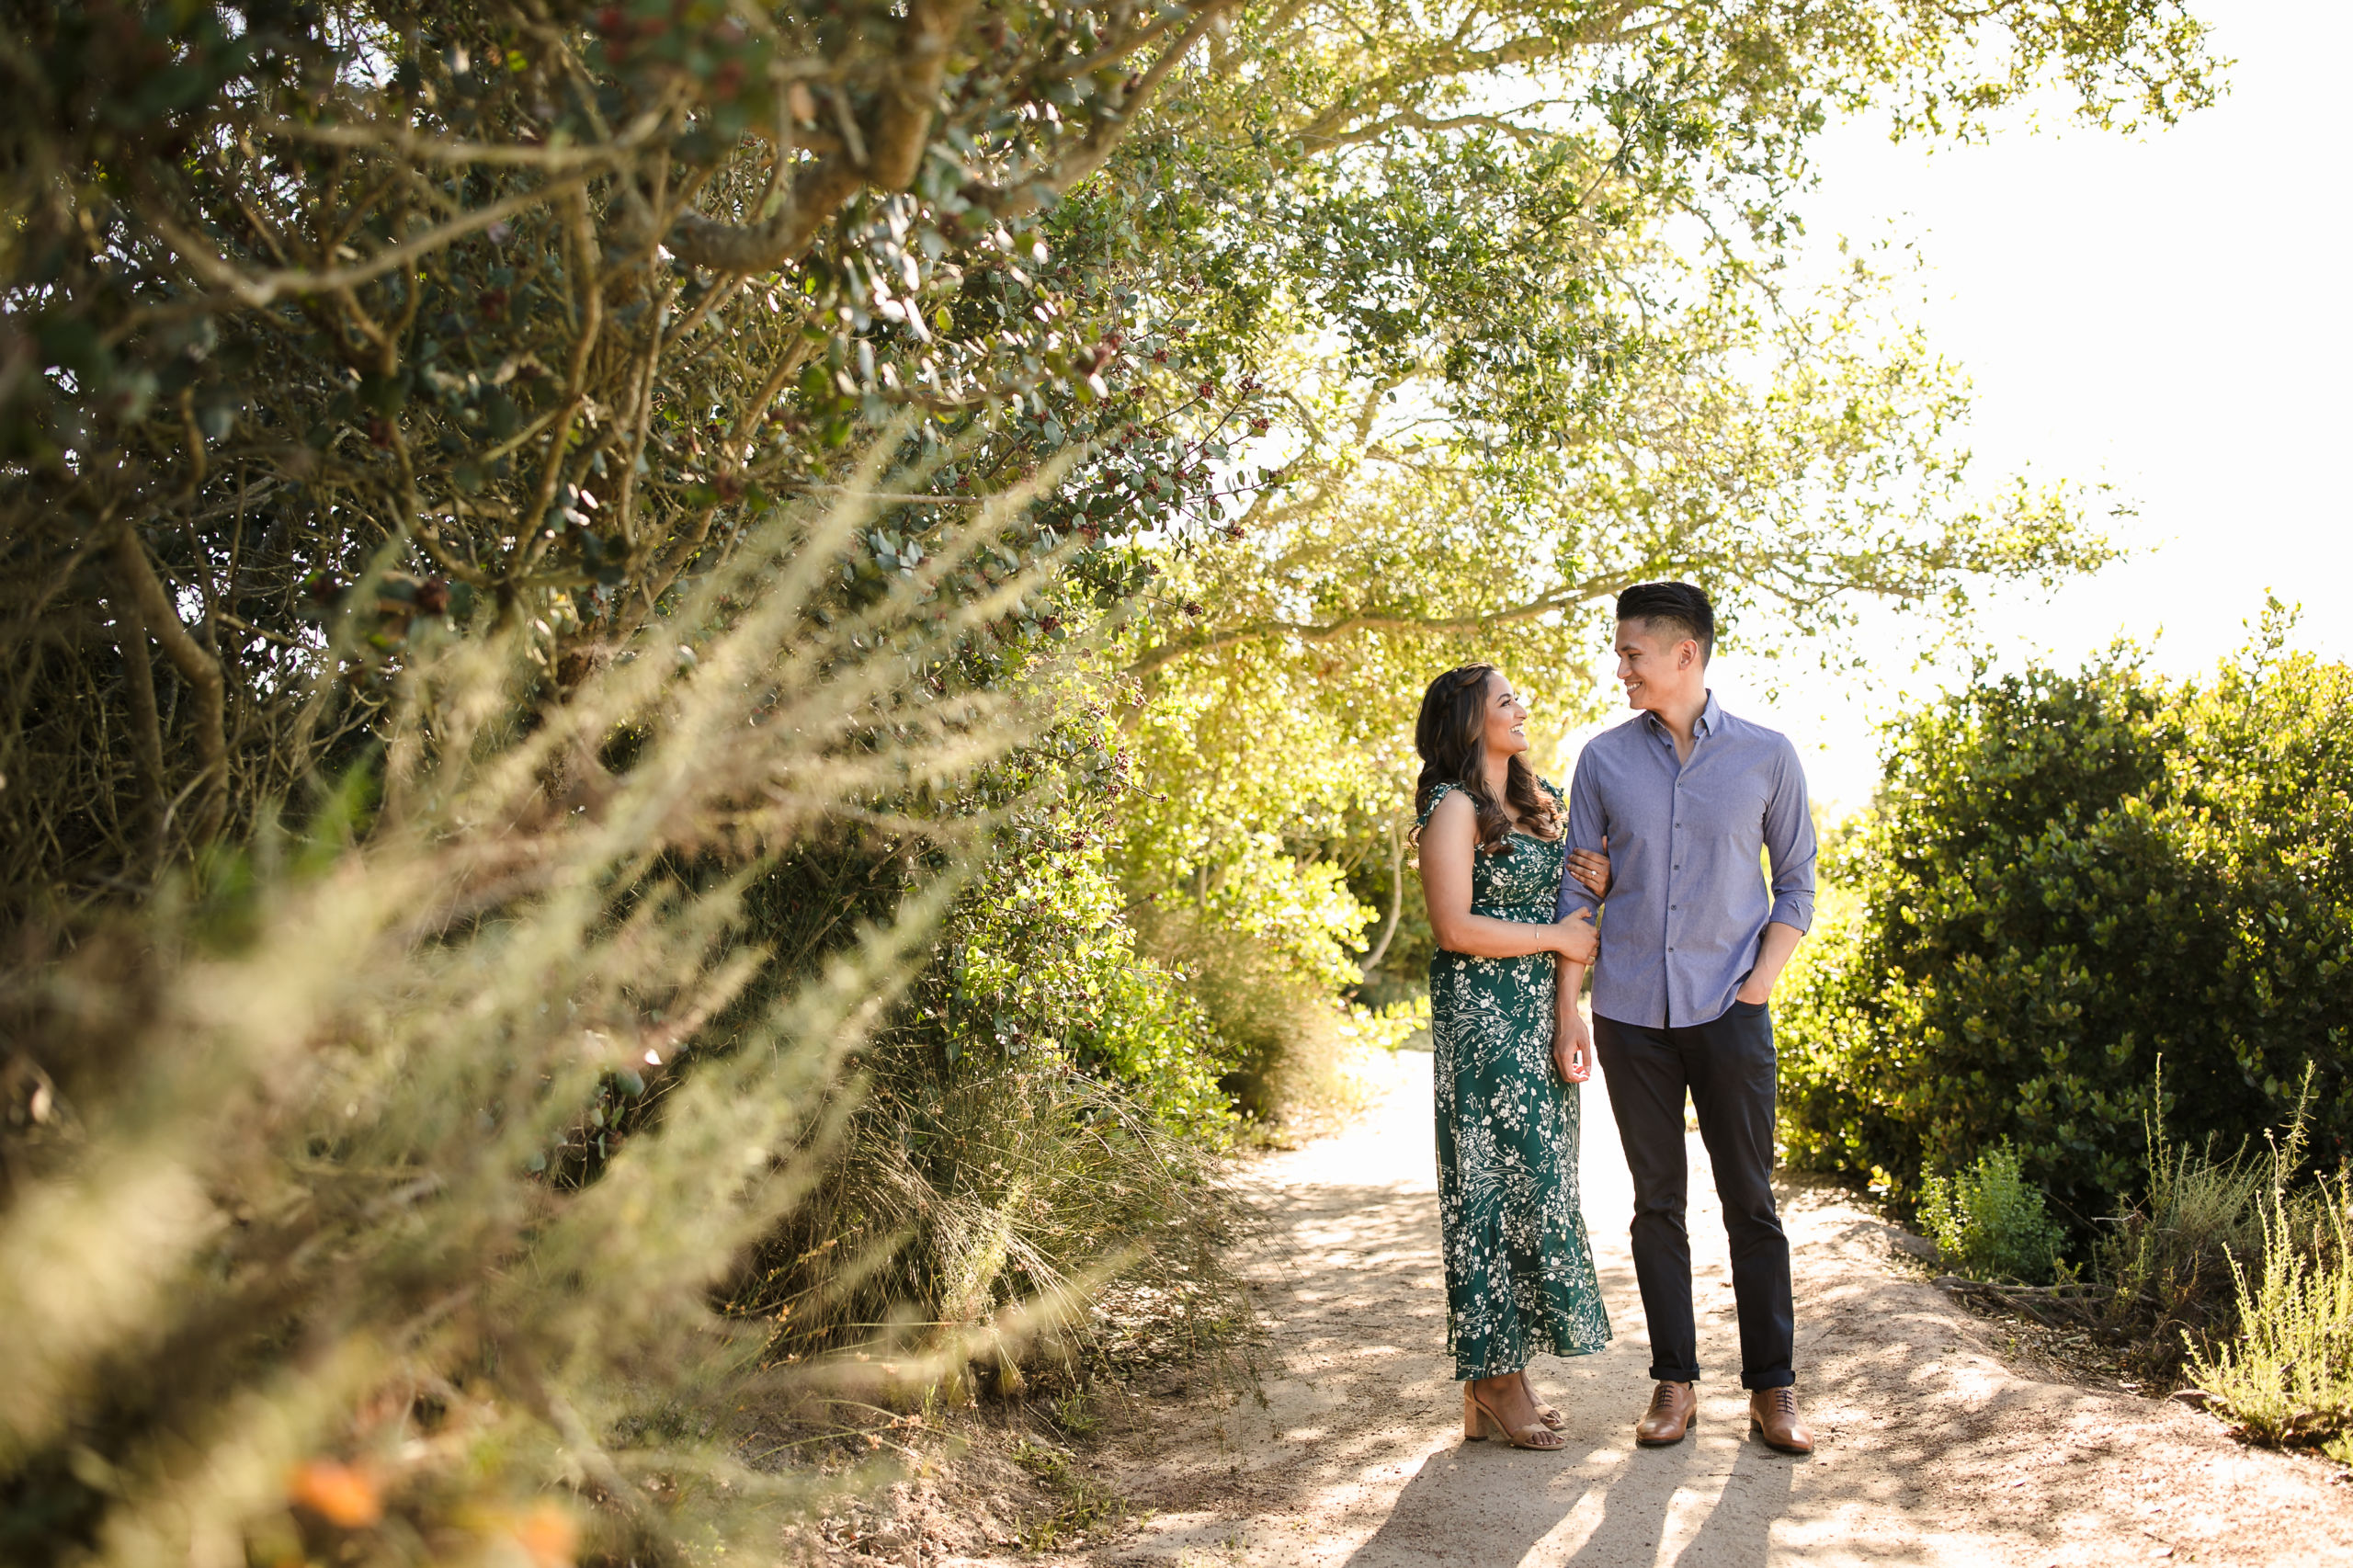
pixel 1678 607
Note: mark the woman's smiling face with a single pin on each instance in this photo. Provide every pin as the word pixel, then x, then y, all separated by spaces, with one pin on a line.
pixel 1506 733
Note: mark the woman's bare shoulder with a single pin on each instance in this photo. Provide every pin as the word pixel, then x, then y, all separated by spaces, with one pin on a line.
pixel 1455 805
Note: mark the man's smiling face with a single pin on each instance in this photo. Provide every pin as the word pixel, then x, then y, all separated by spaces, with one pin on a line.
pixel 1656 665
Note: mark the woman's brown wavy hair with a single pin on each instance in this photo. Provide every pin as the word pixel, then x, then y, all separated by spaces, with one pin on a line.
pixel 1450 737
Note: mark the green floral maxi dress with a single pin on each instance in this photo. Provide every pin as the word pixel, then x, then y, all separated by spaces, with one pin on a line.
pixel 1518 1269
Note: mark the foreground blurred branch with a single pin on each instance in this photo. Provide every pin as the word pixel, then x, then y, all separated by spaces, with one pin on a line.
pixel 303 1185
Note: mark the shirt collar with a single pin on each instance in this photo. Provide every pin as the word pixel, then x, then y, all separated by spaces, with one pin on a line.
pixel 1711 719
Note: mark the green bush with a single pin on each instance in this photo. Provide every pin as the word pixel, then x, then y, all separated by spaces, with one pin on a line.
pixel 1279 1027
pixel 2065 878
pixel 1989 1224
pixel 1043 961
pixel 1041 1121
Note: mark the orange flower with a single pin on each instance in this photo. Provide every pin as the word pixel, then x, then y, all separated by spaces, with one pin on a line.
pixel 549 1534
pixel 337 1494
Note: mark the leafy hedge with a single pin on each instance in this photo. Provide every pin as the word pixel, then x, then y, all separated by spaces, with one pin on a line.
pixel 2066 878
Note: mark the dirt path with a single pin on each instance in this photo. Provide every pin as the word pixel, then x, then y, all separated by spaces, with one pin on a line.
pixel 1932 1449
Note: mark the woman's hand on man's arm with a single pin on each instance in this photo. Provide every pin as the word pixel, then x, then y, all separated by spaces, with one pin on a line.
pixel 1591 869
pixel 1577 940
pixel 1450 842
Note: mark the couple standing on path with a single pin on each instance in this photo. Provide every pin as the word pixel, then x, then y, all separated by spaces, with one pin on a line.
pixel 1664 822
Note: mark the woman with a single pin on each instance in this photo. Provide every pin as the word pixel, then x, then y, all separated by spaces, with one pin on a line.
pixel 1518 1272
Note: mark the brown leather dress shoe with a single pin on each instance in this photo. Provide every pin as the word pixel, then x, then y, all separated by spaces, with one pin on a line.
pixel 1674 1406
pixel 1773 1416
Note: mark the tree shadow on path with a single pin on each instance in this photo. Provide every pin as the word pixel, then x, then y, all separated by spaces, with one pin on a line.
pixel 1485 1510
pixel 1934 1452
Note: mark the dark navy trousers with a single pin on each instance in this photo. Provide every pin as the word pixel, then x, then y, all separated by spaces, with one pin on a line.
pixel 1729 1068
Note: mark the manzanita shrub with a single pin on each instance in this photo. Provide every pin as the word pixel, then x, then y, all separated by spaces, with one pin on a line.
pixel 2066 879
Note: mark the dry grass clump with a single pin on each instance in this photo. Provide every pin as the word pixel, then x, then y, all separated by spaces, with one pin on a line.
pixel 2284 1373
pixel 2234 1276
pixel 1040 1121
pixel 282 1275
pixel 1337 1063
pixel 2287 1376
pixel 997 1227
pixel 2164 1272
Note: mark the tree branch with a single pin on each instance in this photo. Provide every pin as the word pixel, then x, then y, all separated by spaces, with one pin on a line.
pixel 1396 901
pixel 416 148
pixel 897 145
pixel 199 668
pixel 146 726
pixel 1311 631
pixel 259 291
pixel 903 127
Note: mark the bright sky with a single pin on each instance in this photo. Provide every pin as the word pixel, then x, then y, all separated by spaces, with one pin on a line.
pixel 2168 314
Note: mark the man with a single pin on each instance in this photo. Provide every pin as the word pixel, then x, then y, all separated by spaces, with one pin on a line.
pixel 1685 796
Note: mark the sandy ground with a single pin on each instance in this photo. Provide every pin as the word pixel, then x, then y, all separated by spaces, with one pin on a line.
pixel 1933 1450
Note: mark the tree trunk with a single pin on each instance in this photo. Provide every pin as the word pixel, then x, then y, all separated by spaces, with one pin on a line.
pixel 1396 901
pixel 146 731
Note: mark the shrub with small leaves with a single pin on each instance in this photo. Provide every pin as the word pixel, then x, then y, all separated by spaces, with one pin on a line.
pixel 1990 1223
pixel 2063 879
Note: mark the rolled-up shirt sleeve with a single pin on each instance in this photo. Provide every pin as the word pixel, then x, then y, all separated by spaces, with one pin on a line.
pixel 1789 843
pixel 1586 830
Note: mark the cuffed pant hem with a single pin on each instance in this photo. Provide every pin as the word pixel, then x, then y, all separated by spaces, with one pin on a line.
pixel 1674 1374
pixel 1781 1380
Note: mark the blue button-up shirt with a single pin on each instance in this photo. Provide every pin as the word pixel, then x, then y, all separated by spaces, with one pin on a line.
pixel 1688 898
